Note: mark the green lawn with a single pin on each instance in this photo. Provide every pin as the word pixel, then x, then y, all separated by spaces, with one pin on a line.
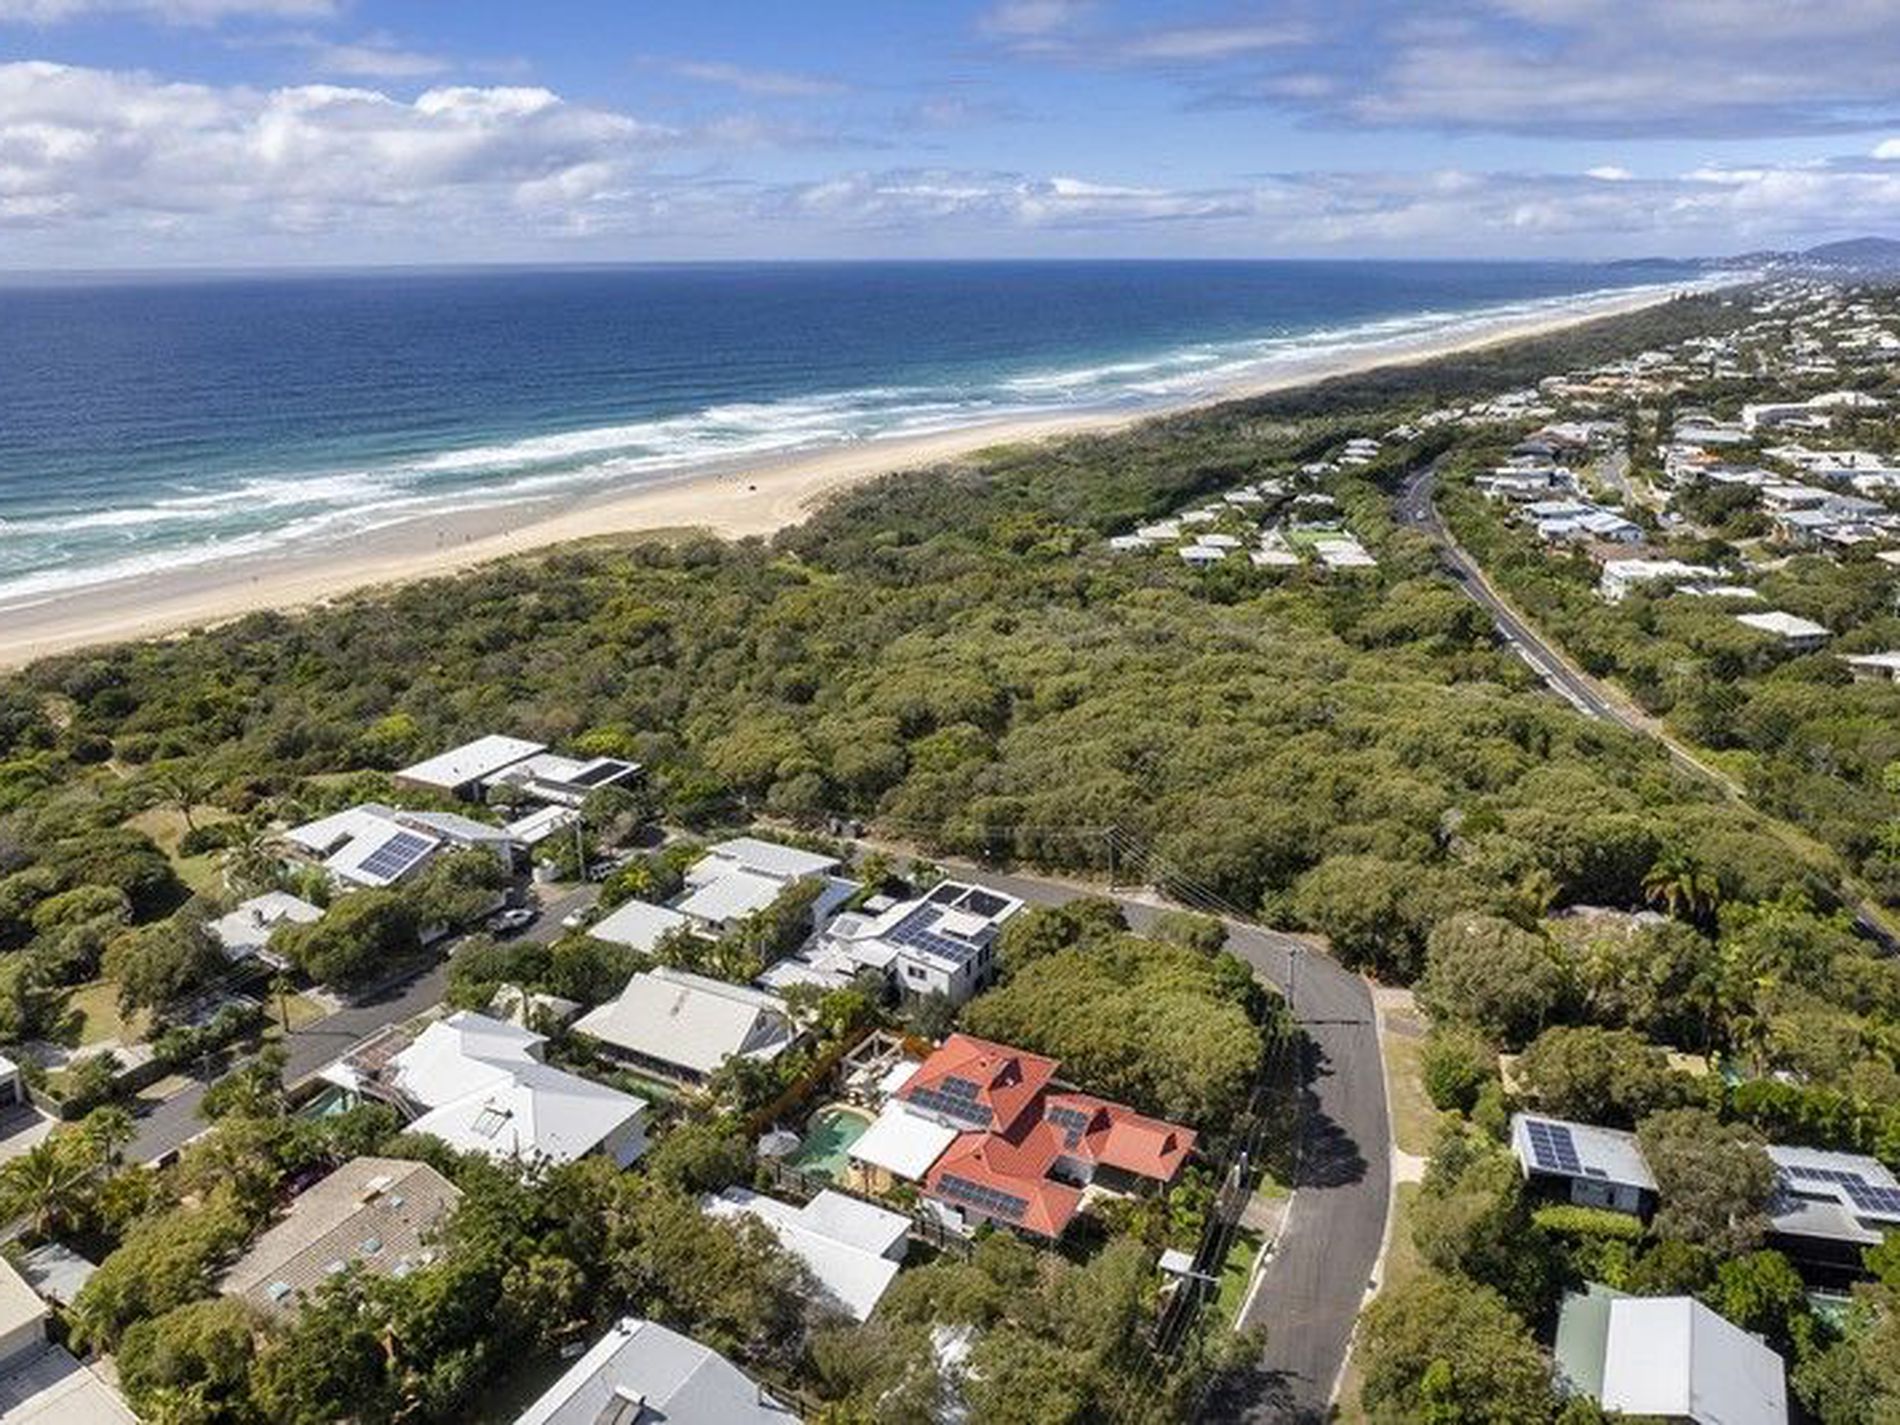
pixel 96 1006
pixel 1414 1120
pixel 1235 1273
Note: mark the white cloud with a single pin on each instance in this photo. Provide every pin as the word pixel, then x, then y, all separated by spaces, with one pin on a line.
pixel 1609 173
pixel 1887 148
pixel 1210 42
pixel 767 83
pixel 1032 17
pixel 174 12
pixel 375 57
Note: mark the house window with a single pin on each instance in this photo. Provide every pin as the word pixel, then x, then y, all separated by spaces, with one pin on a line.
pixel 914 971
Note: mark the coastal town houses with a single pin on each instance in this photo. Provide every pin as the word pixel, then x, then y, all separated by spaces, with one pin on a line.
pixel 1587 1165
pixel 1011 1146
pixel 744 876
pixel 476 770
pixel 683 1026
pixel 379 1215
pixel 642 1373
pixel 373 846
pixel 481 1086
pixel 941 943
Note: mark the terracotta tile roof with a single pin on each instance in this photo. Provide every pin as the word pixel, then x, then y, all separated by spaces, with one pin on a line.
pixel 984 1172
pixel 1118 1137
pixel 1002 1081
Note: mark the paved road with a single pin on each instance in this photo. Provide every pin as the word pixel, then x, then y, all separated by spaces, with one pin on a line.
pixel 167 1125
pixel 1315 1283
pixel 1415 509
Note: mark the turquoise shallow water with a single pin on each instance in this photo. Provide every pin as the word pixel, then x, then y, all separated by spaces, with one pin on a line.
pixel 168 422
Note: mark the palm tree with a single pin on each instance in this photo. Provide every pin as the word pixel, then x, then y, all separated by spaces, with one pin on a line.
pixel 108 1131
pixel 43 1185
pixel 1678 884
pixel 184 785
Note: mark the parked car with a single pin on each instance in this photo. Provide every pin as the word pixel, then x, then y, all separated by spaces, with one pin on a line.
pixel 512 922
pixel 574 920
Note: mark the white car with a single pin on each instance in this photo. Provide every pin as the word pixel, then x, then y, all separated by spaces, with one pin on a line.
pixel 512 922
pixel 574 920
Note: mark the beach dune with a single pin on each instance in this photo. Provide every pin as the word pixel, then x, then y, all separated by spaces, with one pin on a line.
pixel 757 498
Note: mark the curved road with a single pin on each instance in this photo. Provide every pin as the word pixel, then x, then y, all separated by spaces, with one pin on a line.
pixel 1312 1288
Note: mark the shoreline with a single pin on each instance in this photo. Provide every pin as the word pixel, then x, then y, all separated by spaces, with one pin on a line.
pixel 731 500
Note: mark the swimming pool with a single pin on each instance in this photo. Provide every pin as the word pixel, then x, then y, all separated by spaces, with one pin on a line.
pixel 830 1132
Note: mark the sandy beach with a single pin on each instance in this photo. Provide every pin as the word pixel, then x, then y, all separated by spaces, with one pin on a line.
pixel 757 498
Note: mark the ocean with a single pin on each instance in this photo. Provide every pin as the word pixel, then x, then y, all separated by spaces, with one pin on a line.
pixel 159 423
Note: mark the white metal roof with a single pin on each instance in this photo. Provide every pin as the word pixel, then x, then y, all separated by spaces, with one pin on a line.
pixel 247 930
pixel 730 897
pixel 1603 1154
pixel 672 1377
pixel 764 858
pixel 20 1305
pixel 47 1386
pixel 1783 625
pixel 1672 1356
pixel 689 1021
pixel 902 1141
pixel 471 762
pixel 487 1091
pixel 637 924
pixel 847 1244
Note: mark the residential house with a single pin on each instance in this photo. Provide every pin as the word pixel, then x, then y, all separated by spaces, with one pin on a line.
pixel 638 925
pixel 1025 1150
pixel 480 1085
pixel 1621 577
pixel 554 780
pixel 42 1383
pixel 1591 1166
pixel 684 1026
pixel 380 1214
pixel 1827 1207
pixel 375 846
pixel 641 1373
pixel 1797 635
pixel 940 943
pixel 245 933
pixel 1874 667
pixel 465 772
pixel 852 1248
pixel 745 875
pixel 1667 1358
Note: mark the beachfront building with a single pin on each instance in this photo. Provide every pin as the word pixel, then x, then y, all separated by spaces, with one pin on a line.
pixel 524 771
pixel 641 1373
pixel 378 1214
pixel 480 1085
pixel 683 1026
pixel 853 1249
pixel 940 943
pixel 1622 577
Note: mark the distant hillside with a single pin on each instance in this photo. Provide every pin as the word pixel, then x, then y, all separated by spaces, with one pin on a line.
pixel 1851 257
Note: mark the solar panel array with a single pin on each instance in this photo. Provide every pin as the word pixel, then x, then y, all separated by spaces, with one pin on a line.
pixel 1552 1147
pixel 1868 1199
pixel 588 776
pixel 1072 1121
pixel 945 1100
pixel 983 903
pixel 395 856
pixel 917 931
pixel 991 1200
pixel 1873 1201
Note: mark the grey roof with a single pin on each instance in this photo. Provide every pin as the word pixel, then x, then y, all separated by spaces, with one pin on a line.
pixel 1603 1154
pixel 1843 1197
pixel 379 1212
pixel 641 1373
pixel 690 1021
pixel 765 858
pixel 636 924
pixel 47 1386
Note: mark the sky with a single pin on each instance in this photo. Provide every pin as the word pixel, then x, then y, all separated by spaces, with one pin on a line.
pixel 158 133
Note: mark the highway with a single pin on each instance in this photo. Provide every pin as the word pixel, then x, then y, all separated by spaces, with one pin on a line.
pixel 1313 1285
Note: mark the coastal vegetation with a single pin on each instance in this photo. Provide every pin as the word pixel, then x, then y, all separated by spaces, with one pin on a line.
pixel 954 658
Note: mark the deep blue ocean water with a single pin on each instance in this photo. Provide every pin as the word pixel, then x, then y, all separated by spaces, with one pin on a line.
pixel 158 423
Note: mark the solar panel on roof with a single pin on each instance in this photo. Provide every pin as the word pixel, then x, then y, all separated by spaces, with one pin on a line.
pixel 1552 1147
pixel 394 856
pixel 946 893
pixel 983 903
pixel 984 1197
pixel 590 775
pixel 1875 1201
pixel 1801 1172
pixel 1073 1123
pixel 964 1110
